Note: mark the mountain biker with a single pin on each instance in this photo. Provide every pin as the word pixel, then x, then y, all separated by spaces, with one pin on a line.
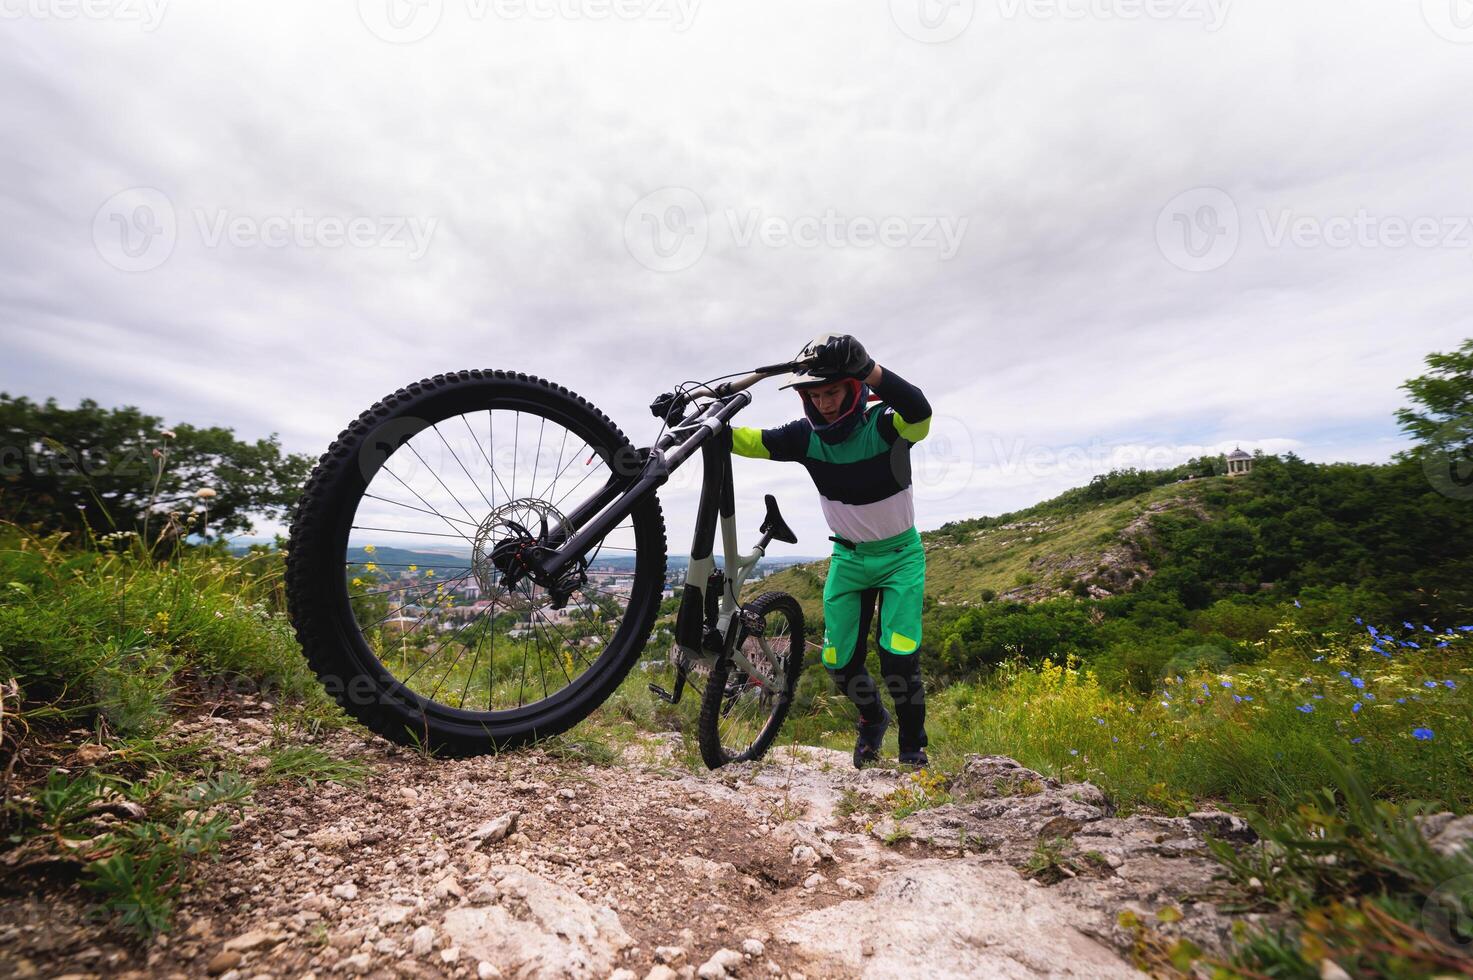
pixel 859 458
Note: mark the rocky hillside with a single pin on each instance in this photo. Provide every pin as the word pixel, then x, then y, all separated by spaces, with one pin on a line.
pixel 533 864
pixel 1042 552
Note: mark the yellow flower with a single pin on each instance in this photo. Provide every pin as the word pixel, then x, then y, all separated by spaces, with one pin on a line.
pixel 414 568
pixel 357 582
pixel 369 549
pixel 430 573
pixel 370 567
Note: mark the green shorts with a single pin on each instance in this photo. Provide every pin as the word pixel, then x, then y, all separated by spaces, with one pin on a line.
pixel 897 567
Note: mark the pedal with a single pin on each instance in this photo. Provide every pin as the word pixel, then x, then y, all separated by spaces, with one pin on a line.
pixel 753 622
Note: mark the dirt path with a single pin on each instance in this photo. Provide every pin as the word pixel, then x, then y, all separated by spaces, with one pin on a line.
pixel 535 865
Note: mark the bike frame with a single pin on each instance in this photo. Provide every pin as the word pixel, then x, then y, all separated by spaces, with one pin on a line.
pixel 706 429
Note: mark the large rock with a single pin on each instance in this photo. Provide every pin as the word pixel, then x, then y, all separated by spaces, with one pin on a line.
pixel 955 918
pixel 1106 863
pixel 538 929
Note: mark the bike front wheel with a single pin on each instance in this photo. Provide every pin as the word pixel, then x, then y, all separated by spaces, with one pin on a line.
pixel 748 694
pixel 396 571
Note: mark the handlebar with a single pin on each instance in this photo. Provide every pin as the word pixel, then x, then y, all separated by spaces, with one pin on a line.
pixel 672 403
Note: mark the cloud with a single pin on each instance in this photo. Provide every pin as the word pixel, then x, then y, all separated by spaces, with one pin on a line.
pixel 527 135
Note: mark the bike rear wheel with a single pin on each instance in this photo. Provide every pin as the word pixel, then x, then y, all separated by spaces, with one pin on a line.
pixel 397 589
pixel 742 712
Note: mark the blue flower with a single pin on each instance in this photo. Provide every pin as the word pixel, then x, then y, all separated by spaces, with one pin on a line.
pixel 1114 738
pixel 1368 696
pixel 1422 734
pixel 1426 628
pixel 1414 646
pixel 1373 631
pixel 1247 698
pixel 1073 751
pixel 1297 605
pixel 1227 683
pixel 1357 740
pixel 1357 621
pixel 1165 704
pixel 1318 697
pixel 1429 683
pixel 1238 698
pixel 1345 673
pixel 1355 708
pixel 1319 658
pixel 1357 682
pixel 1401 700
pixel 1099 721
pixel 1466 629
pixel 1407 625
pixel 1443 643
pixel 1306 708
pixel 1448 684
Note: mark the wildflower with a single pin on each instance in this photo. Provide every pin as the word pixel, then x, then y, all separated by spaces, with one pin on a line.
pixel 1422 734
pixel 1466 629
pixel 1443 643
pixel 1114 738
pixel 1355 708
pixel 1099 721
pixel 167 434
pixel 1307 708
pixel 1448 684
pixel 1357 621
pixel 370 567
pixel 1345 673
pixel 1357 740
pixel 1429 683
pixel 205 493
pixel 1357 682
pixel 1368 696
pixel 1318 697
pixel 1227 683
pixel 1073 751
pixel 429 573
pixel 1401 700
pixel 1319 658
pixel 1237 698
pixel 1297 605
pixel 1407 625
pixel 414 568
pixel 1373 631
pixel 1426 628
pixel 1165 704
pixel 1414 646
pixel 369 549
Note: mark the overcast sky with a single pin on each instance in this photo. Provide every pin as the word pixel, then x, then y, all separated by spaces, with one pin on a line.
pixel 1097 233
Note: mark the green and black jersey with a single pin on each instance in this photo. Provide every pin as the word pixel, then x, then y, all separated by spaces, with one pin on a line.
pixel 863 482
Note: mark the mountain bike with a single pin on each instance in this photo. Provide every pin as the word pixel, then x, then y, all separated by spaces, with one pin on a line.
pixel 485 508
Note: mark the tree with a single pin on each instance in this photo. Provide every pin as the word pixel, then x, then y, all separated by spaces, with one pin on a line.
pixel 64 469
pixel 1444 425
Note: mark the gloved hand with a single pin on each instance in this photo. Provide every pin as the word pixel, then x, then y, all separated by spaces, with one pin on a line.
pixel 845 356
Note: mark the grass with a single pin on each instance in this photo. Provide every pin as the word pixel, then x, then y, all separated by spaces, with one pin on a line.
pixel 113 642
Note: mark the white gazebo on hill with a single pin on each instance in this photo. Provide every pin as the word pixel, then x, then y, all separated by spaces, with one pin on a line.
pixel 1238 462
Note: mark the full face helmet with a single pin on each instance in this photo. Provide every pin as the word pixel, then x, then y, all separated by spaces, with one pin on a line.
pixel 856 396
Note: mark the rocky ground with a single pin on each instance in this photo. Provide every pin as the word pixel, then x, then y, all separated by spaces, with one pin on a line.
pixel 532 864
